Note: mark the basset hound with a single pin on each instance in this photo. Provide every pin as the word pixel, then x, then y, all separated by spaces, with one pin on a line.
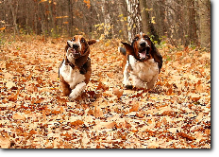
pixel 75 69
pixel 142 63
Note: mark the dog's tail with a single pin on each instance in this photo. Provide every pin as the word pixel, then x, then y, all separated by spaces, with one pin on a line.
pixel 122 50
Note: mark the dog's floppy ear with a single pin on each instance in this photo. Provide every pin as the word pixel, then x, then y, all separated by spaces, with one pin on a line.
pixel 93 41
pixel 69 44
pixel 156 55
pixel 129 48
pixel 66 48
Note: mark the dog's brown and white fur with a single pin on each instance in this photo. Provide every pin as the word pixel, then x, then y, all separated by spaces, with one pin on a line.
pixel 75 69
pixel 142 63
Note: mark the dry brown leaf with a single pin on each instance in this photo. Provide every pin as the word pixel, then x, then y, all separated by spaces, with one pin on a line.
pixel 190 138
pixel 140 114
pixel 10 84
pixel 134 108
pixel 169 113
pixel 118 92
pixel 18 116
pixel 8 76
pixel 4 142
pixel 14 97
pixel 170 91
pixel 76 123
pixel 102 86
pixel 195 99
pixel 199 117
pixel 98 112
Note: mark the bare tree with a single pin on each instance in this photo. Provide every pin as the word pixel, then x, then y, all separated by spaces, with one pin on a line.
pixel 123 12
pixel 205 22
pixel 14 10
pixel 134 18
pixel 145 16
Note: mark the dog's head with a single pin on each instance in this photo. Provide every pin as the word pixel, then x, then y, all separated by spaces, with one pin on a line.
pixel 78 47
pixel 141 47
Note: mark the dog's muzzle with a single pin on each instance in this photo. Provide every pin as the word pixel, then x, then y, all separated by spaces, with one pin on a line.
pixel 143 52
pixel 72 52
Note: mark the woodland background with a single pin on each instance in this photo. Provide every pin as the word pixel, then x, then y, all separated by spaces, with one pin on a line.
pixel 180 22
pixel 176 114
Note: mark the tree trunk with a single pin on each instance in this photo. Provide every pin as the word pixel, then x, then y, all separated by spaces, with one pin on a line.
pixel 134 18
pixel 205 23
pixel 42 13
pixel 161 22
pixel 145 17
pixel 192 34
pixel 51 21
pixel 123 22
pixel 27 27
pixel 14 15
pixel 106 16
pixel 70 18
pixel 35 17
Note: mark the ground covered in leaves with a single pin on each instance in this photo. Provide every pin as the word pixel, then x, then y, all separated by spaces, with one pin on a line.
pixel 33 114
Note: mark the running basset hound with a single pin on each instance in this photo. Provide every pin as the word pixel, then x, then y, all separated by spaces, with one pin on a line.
pixel 75 69
pixel 142 62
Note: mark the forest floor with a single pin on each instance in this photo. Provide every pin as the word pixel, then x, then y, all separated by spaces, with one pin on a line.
pixel 33 114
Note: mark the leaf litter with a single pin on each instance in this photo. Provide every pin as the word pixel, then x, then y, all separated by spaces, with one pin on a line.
pixel 34 114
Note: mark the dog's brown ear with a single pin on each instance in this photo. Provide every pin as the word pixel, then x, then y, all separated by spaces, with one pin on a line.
pixel 129 48
pixel 68 45
pixel 93 41
pixel 156 55
pixel 66 48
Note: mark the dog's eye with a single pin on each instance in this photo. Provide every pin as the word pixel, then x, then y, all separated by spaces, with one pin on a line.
pixel 73 39
pixel 82 40
pixel 146 37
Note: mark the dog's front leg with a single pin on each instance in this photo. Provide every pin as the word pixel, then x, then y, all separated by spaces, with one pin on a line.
pixel 126 81
pixel 76 92
pixel 152 82
pixel 137 82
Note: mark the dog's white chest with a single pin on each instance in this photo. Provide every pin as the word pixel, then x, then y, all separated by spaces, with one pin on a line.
pixel 144 70
pixel 71 76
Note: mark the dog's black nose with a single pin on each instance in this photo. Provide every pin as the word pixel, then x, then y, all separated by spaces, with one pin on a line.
pixel 143 44
pixel 75 46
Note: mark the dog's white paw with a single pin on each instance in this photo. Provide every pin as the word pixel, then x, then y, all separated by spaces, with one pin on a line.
pixel 77 91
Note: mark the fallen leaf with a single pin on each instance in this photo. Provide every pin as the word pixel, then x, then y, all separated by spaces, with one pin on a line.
pixel 102 86
pixel 190 138
pixel 13 97
pixel 98 112
pixel 76 123
pixel 170 91
pixel 10 84
pixel 134 108
pixel 118 92
pixel 195 99
pixel 84 139
pixel 5 142
pixel 18 116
